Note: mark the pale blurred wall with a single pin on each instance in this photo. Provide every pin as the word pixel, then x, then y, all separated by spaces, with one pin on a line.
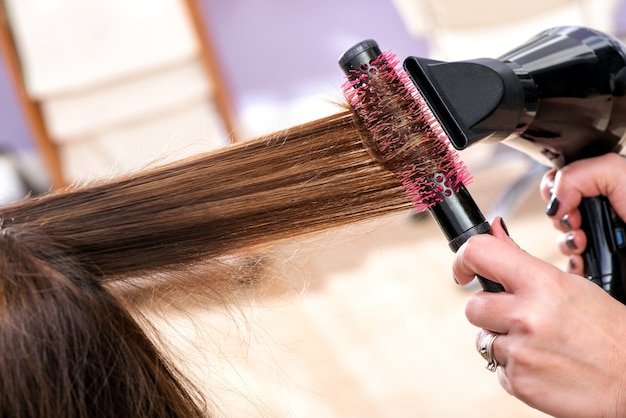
pixel 460 29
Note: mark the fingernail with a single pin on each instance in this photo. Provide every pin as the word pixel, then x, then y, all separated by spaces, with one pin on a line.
pixel 553 206
pixel 571 263
pixel 455 280
pixel 503 225
pixel 569 241
pixel 565 223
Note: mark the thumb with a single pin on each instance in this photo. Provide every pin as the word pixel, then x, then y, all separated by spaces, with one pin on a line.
pixel 477 253
pixel 501 231
pixel 501 260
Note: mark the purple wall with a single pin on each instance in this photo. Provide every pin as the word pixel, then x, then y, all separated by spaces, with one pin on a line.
pixel 14 132
pixel 275 48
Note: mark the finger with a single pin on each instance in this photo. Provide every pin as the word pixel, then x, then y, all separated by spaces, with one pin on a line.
pixel 504 381
pixel 569 221
pixel 546 185
pixel 572 242
pixel 500 230
pixel 492 311
pixel 564 224
pixel 476 256
pixel 575 265
pixel 586 178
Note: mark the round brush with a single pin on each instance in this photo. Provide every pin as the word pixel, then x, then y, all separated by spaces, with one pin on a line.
pixel 402 135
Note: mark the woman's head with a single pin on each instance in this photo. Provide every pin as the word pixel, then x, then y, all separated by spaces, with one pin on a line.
pixel 69 348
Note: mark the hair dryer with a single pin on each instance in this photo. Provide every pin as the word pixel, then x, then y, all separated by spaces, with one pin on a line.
pixel 560 97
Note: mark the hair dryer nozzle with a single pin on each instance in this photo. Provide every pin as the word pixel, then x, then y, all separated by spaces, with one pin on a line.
pixel 562 93
pixel 471 99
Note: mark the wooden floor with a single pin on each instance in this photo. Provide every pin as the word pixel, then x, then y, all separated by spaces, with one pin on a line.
pixel 366 323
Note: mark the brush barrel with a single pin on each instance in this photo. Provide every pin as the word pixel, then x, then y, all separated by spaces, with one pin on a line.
pixel 459 218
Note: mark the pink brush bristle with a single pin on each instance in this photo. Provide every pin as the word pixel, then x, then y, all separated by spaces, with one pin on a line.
pixel 402 133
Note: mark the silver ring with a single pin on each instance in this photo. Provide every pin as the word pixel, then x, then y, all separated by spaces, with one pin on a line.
pixel 485 348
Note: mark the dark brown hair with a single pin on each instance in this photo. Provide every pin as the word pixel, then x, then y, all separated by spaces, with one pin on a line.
pixel 69 344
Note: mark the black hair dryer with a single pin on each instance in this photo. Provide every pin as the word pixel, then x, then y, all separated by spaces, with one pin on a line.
pixel 560 97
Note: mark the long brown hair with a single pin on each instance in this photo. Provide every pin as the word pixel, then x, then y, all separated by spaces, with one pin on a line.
pixel 68 343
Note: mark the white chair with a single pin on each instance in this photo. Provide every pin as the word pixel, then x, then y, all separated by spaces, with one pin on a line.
pixel 109 86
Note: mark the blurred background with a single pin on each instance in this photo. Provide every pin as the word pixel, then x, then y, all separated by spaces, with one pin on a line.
pixel 366 321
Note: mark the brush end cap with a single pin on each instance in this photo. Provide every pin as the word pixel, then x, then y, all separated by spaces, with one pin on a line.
pixel 361 53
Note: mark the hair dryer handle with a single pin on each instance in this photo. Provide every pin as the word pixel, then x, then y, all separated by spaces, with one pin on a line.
pixel 605 254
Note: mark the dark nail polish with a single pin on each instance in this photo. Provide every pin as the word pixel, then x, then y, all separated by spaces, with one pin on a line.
pixel 553 206
pixel 565 223
pixel 569 241
pixel 571 263
pixel 503 225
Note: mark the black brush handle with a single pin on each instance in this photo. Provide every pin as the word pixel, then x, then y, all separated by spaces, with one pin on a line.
pixel 605 254
pixel 489 286
pixel 460 218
